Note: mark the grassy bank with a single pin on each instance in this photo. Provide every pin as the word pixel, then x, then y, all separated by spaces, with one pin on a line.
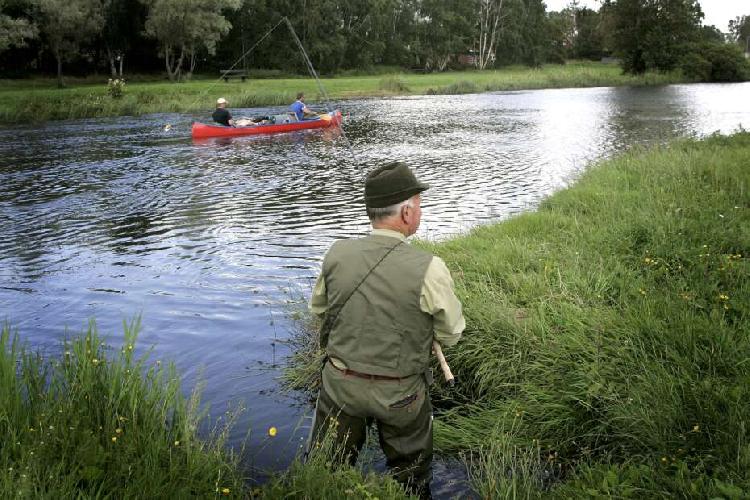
pixel 608 345
pixel 40 100
pixel 97 422
pixel 608 341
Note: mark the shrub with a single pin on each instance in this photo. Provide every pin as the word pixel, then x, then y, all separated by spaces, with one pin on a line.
pixel 393 84
pixel 116 87
pixel 715 62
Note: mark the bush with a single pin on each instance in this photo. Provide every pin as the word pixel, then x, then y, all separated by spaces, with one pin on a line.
pixel 715 62
pixel 116 87
pixel 393 84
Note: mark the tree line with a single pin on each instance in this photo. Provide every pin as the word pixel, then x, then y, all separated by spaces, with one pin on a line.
pixel 180 37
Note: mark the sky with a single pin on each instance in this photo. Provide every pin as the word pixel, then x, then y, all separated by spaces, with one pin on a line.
pixel 718 12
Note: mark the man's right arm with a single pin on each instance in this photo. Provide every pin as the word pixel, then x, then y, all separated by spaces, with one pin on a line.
pixel 439 300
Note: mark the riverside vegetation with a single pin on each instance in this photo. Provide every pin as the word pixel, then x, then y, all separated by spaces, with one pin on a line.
pixel 40 100
pixel 605 355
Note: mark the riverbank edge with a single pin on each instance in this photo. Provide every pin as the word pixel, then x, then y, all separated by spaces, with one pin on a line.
pixel 31 104
pixel 596 325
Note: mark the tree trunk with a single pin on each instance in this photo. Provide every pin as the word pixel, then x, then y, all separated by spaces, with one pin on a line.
pixel 58 56
pixel 122 60
pixel 112 68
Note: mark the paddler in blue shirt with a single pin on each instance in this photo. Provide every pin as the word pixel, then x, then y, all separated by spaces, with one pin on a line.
pixel 300 109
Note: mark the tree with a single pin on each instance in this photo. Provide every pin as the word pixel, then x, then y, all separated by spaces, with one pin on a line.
pixel 739 30
pixel 183 27
pixel 445 29
pixel 653 34
pixel 492 15
pixel 123 20
pixel 588 43
pixel 66 24
pixel 14 31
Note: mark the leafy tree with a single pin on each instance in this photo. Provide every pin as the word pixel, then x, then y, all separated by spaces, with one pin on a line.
pixel 123 20
pixel 588 42
pixel 739 30
pixel 14 31
pixel 66 24
pixel 183 27
pixel 653 34
pixel 711 34
pixel 445 29
pixel 492 17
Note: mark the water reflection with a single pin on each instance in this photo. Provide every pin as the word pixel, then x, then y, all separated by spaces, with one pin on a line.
pixel 208 240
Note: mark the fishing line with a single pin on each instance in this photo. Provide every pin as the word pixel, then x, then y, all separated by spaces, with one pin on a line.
pixel 322 89
pixel 225 72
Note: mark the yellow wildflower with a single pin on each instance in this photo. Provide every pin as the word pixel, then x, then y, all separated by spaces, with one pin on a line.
pixel 272 431
pixel 114 438
pixel 118 431
pixel 663 460
pixel 696 428
pixel 225 491
pixel 177 443
pixel 723 296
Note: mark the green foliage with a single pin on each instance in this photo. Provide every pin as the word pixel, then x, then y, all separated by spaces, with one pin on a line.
pixel 97 422
pixel 14 31
pixel 115 88
pixel 607 333
pixel 183 27
pixel 739 30
pixel 715 62
pixel 652 34
pixel 393 84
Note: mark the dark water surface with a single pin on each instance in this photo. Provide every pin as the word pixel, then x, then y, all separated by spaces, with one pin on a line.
pixel 109 218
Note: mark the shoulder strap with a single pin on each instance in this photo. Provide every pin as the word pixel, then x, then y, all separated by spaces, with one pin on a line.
pixel 325 330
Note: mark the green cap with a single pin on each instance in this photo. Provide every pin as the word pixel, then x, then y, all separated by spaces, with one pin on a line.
pixel 390 184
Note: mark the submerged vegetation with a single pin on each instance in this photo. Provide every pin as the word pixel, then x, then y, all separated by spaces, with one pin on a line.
pixel 40 100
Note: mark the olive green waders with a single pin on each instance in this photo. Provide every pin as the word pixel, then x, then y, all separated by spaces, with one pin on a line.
pixel 402 411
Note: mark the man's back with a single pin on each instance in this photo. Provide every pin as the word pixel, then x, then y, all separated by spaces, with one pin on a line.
pixel 221 116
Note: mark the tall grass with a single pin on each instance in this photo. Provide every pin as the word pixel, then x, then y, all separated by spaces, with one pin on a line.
pixel 628 363
pixel 39 100
pixel 103 423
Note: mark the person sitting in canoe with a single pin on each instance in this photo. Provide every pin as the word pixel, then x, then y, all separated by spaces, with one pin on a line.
pixel 300 109
pixel 222 116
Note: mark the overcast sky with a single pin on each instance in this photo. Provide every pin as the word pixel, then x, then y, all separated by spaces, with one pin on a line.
pixel 718 12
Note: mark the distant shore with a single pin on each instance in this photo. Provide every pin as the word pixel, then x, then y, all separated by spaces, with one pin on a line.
pixel 39 100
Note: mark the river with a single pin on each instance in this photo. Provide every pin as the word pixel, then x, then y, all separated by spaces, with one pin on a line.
pixel 209 242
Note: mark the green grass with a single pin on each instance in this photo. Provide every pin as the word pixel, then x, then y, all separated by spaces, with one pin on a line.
pixel 608 344
pixel 40 100
pixel 609 329
pixel 97 422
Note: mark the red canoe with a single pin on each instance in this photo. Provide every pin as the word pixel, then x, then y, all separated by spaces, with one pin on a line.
pixel 203 131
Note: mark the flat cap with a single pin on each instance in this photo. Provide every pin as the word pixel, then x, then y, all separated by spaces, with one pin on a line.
pixel 390 184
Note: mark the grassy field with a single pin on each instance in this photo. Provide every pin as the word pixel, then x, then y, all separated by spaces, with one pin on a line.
pixel 40 100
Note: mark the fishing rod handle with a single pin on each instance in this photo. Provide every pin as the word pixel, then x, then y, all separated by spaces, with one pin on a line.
pixel 443 363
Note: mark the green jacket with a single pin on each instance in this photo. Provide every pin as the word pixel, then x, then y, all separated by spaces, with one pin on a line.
pixel 381 330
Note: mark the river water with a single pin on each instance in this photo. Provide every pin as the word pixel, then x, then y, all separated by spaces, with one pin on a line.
pixel 210 241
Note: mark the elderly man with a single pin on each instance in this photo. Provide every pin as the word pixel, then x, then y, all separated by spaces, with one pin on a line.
pixel 383 303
